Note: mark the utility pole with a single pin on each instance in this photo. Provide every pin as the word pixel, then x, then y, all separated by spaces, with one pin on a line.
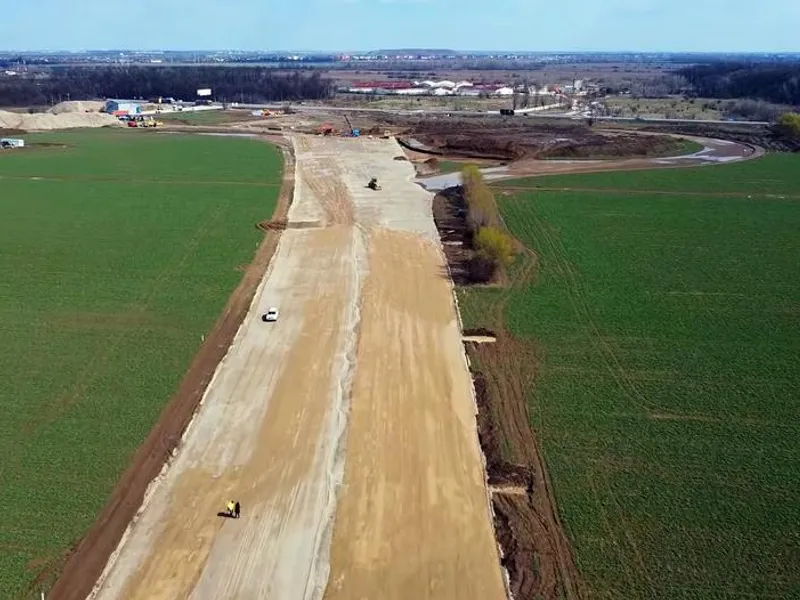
pixel 526 94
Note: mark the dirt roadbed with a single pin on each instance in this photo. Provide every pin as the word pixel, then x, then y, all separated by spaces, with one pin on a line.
pixel 346 429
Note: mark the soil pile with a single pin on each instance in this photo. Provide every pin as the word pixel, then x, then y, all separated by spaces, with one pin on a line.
pixel 515 139
pixel 77 106
pixel 49 121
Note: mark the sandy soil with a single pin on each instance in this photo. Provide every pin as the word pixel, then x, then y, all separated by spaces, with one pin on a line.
pixel 51 121
pixel 346 429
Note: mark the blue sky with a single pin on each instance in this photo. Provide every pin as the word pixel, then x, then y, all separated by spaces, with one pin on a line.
pixel 645 25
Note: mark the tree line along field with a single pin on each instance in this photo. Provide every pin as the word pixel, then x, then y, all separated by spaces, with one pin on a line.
pixel 666 329
pixel 118 251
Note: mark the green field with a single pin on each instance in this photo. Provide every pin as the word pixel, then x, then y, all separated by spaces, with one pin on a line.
pixel 207 117
pixel 667 394
pixel 114 261
pixel 775 174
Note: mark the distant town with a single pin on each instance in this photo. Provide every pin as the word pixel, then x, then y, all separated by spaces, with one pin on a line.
pixel 343 59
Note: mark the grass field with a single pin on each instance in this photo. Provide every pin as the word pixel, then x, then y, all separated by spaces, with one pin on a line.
pixel 109 278
pixel 775 174
pixel 665 108
pixel 666 395
pixel 456 166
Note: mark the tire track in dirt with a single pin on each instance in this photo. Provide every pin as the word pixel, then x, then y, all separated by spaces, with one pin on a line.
pixel 537 541
pixel 413 464
pixel 83 566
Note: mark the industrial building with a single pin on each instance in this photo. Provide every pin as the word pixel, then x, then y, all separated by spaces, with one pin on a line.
pixel 119 108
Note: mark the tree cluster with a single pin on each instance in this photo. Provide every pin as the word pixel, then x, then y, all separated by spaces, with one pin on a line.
pixel 494 249
pixel 773 82
pixel 228 84
pixel 789 125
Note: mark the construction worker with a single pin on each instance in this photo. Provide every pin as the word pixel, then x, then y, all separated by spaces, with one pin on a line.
pixel 237 509
pixel 231 507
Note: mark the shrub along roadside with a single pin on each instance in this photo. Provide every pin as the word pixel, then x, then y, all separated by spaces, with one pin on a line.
pixel 494 249
pixel 789 125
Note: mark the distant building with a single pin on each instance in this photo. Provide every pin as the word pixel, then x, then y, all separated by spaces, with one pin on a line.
pixel 122 107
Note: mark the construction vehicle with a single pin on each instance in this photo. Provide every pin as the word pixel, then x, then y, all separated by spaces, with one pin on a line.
pixel 352 131
pixel 142 121
pixel 373 185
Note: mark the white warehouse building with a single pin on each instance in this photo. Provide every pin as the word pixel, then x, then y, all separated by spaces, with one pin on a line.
pixel 122 106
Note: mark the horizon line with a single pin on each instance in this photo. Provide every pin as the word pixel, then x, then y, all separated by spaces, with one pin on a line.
pixel 388 50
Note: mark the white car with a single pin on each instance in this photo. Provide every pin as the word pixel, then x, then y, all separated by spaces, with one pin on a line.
pixel 270 316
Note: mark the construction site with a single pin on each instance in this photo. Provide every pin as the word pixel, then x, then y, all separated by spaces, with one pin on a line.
pixel 346 429
pixel 365 450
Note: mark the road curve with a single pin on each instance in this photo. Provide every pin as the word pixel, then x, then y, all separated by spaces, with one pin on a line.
pixel 714 152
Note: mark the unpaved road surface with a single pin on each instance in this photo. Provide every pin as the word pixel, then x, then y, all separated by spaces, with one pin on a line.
pixel 346 429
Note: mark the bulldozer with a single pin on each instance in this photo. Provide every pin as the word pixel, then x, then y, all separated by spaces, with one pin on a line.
pixel 373 184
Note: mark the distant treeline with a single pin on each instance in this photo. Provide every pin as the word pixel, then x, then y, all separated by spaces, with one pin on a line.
pixel 243 84
pixel 776 82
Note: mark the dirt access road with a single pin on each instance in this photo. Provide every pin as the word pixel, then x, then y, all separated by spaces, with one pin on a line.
pixel 714 152
pixel 346 429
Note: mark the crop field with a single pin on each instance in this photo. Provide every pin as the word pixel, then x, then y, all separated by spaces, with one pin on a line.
pixel 775 174
pixel 118 251
pixel 666 331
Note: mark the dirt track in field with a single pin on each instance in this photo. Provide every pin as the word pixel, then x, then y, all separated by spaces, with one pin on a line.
pixel 346 429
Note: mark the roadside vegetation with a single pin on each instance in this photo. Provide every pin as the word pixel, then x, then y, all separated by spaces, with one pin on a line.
pixel 493 248
pixel 119 251
pixel 789 125
pixel 661 339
